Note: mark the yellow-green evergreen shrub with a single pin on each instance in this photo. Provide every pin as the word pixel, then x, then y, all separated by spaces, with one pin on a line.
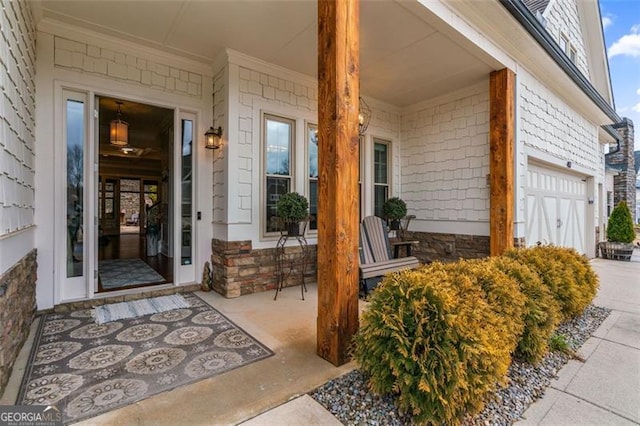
pixel 501 291
pixel 432 338
pixel 542 312
pixel 565 272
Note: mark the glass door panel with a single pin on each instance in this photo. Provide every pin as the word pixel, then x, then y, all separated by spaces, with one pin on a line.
pixel 75 141
pixel 186 189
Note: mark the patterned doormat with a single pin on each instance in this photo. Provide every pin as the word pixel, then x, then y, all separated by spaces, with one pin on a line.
pixel 116 273
pixel 86 369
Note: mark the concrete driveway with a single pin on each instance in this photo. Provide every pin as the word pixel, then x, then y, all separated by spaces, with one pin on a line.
pixel 605 389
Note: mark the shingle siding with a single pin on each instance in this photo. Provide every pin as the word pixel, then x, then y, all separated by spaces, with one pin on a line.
pixel 445 159
pixel 98 60
pixel 563 18
pixel 17 116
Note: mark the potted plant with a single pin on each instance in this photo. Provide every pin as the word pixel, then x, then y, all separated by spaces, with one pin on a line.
pixel 620 234
pixel 292 208
pixel 394 209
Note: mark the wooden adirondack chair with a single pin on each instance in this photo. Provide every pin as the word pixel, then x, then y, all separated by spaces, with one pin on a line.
pixel 376 259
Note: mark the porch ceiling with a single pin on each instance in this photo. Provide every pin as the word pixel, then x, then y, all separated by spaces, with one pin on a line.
pixel 404 58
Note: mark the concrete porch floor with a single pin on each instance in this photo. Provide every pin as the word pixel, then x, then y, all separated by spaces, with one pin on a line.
pixel 287 326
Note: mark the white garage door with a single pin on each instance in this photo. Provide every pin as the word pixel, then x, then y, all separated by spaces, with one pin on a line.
pixel 555 208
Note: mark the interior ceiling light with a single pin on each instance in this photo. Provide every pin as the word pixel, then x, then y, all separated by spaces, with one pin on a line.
pixel 127 149
pixel 119 130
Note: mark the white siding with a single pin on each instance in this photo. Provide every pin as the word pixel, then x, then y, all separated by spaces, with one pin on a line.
pixel 549 125
pixel 267 91
pixel 219 175
pixel 445 159
pixel 551 132
pixel 105 62
pixel 17 116
pixel 563 17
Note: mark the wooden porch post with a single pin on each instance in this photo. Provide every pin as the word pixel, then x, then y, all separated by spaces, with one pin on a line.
pixel 501 142
pixel 338 94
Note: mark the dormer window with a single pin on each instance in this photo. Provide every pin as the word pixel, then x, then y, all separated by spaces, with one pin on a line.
pixel 568 48
pixel 563 43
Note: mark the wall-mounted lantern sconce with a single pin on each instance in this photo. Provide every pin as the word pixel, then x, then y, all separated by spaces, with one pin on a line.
pixel 213 138
pixel 364 117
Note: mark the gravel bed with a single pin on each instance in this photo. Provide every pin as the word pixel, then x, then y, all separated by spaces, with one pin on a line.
pixel 349 399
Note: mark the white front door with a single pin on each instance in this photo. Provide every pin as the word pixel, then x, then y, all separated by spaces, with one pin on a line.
pixel 556 204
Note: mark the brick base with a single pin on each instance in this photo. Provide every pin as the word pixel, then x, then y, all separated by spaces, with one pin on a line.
pixel 238 269
pixel 17 311
pixel 448 247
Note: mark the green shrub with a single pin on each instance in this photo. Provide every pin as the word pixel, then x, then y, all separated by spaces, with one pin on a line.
pixel 559 343
pixel 541 309
pixel 432 338
pixel 620 225
pixel 292 207
pixel 566 273
pixel 394 209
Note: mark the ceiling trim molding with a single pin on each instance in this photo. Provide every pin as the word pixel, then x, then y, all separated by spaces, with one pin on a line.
pixel 465 92
pixel 57 28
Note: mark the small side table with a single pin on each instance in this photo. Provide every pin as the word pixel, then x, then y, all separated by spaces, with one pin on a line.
pixel 286 263
pixel 406 244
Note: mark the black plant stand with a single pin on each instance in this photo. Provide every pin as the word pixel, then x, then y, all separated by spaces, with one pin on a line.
pixel 286 263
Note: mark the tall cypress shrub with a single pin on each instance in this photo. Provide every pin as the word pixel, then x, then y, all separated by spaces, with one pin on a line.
pixel 620 226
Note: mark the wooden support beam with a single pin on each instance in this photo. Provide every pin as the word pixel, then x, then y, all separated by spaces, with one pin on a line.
pixel 338 94
pixel 501 142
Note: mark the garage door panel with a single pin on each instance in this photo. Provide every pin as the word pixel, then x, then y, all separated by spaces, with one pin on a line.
pixel 549 220
pixel 533 224
pixel 556 208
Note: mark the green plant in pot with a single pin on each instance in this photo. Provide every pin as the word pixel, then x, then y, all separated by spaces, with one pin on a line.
pixel 394 209
pixel 620 234
pixel 292 209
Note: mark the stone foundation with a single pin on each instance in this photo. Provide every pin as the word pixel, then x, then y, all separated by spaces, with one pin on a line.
pixel 447 247
pixel 238 269
pixel 624 182
pixel 17 311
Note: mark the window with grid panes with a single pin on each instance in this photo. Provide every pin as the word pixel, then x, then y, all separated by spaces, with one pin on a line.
pixel 381 157
pixel 312 137
pixel 279 135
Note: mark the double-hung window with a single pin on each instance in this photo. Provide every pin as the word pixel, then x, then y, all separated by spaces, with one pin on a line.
pixel 312 136
pixel 381 163
pixel 279 140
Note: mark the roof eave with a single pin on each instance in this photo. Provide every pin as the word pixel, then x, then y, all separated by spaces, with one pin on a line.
pixel 529 22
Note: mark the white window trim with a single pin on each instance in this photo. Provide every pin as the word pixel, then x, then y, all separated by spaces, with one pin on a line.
pixel 309 125
pixel 389 143
pixel 263 166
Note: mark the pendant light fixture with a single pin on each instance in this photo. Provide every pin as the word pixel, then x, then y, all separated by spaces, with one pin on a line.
pixel 119 130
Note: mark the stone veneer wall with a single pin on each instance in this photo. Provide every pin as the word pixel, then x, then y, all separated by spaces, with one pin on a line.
pixel 238 269
pixel 17 311
pixel 624 182
pixel 451 247
pixel 447 247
